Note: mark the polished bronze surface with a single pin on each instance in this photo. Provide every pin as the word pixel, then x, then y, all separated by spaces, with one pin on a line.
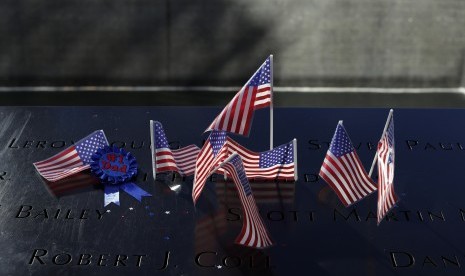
pixel 63 228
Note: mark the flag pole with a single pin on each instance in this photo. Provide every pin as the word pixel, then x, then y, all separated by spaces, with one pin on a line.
pixel 294 144
pixel 271 104
pixel 152 149
pixel 376 153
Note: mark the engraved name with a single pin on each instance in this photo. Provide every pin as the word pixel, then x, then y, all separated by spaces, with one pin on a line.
pixel 16 143
pixel 409 144
pixel 404 259
pixel 29 212
pixel 45 257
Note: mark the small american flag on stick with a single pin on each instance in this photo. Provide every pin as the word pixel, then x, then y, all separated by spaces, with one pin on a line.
pixel 211 155
pixel 237 116
pixel 343 170
pixel 165 159
pixel 279 163
pixel 254 233
pixel 386 157
pixel 74 159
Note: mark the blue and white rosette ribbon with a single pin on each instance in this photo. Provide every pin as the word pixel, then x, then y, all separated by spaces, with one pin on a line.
pixel 116 168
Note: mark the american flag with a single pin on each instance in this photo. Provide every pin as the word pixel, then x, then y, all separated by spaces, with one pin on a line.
pixel 165 159
pixel 211 155
pixel 343 170
pixel 74 159
pixel 254 233
pixel 237 116
pixel 278 163
pixel 386 156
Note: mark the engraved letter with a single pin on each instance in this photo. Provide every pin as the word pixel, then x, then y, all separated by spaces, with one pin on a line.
pixel 35 256
pixel 23 210
pixel 407 257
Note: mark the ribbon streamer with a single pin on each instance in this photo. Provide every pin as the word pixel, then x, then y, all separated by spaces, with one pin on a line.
pixel 112 192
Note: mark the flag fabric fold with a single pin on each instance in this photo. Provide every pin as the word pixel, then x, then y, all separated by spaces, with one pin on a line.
pixel 386 157
pixel 211 155
pixel 254 233
pixel 165 159
pixel 343 170
pixel 72 160
pixel 279 163
pixel 237 116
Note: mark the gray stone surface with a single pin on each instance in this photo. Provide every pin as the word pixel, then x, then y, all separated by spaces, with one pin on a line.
pixel 398 43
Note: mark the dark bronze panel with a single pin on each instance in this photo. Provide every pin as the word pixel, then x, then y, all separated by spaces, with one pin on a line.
pixel 50 229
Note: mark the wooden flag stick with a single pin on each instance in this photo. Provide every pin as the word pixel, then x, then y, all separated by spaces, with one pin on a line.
pixel 376 153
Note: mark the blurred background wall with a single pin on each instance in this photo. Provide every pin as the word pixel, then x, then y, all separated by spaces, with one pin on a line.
pixel 396 45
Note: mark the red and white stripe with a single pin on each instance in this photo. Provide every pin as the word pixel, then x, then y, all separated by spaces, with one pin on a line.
pixel 204 165
pixel 251 162
pixel 61 165
pixel 72 184
pixel 263 97
pixel 347 177
pixel 254 233
pixel 180 160
pixel 237 116
pixel 386 195
pixel 209 229
pixel 264 192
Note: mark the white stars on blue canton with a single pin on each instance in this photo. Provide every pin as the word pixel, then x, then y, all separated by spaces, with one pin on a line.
pixel 237 163
pixel 160 140
pixel 217 140
pixel 340 145
pixel 263 75
pixel 283 154
pixel 89 145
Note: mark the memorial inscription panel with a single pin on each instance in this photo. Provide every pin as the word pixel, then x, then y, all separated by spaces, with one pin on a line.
pixel 63 227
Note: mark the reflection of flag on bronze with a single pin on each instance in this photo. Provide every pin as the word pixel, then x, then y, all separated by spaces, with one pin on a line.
pixel 253 233
pixel 237 116
pixel 264 192
pixel 386 157
pixel 73 159
pixel 209 228
pixel 165 159
pixel 76 183
pixel 343 170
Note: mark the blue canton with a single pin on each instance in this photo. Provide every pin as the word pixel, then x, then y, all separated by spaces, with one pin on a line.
pixel 89 145
pixel 263 75
pixel 283 154
pixel 341 145
pixel 160 141
pixel 237 162
pixel 390 158
pixel 217 140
